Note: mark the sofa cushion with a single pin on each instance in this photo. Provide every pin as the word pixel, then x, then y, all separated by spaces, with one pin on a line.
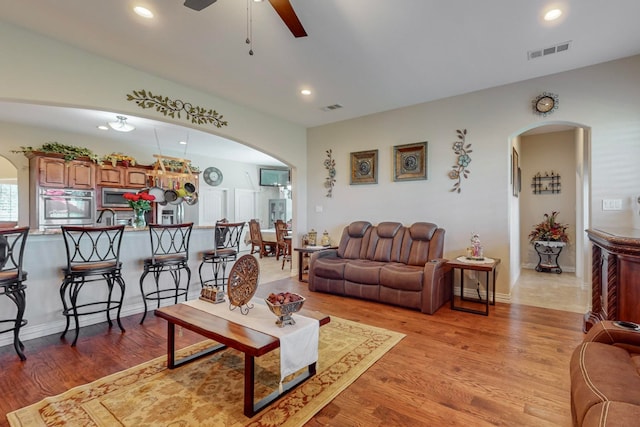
pixel 615 414
pixel 363 271
pixel 401 276
pixel 417 245
pixel 600 373
pixel 354 240
pixel 329 268
pixel 385 242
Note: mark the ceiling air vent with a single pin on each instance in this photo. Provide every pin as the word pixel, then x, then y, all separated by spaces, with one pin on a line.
pixel 331 107
pixel 538 53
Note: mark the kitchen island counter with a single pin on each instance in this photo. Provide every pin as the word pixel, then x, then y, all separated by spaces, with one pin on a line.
pixel 45 256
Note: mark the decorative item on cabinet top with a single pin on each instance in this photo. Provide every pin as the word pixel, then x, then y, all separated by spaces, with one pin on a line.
pixel 547 183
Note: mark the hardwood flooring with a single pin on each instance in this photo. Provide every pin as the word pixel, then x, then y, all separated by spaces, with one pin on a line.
pixel 452 368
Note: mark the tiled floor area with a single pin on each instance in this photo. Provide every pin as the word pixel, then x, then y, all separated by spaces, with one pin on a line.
pixel 549 290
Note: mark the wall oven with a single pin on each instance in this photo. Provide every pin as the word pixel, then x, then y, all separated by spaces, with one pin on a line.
pixel 66 207
pixel 112 197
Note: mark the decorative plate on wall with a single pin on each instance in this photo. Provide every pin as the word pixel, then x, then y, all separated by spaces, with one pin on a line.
pixel 212 176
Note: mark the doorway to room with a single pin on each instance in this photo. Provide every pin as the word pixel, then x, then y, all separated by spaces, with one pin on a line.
pixel 563 149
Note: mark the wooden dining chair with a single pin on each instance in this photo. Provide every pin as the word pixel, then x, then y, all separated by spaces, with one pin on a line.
pixel 257 243
pixel 281 233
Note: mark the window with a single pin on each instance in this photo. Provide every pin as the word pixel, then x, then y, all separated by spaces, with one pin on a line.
pixel 8 202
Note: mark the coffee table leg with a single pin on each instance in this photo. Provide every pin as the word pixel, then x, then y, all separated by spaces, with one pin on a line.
pixel 249 372
pixel 171 344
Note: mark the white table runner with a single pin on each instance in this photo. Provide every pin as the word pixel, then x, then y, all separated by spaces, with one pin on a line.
pixel 298 343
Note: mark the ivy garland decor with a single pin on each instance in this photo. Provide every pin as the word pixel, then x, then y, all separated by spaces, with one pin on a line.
pixel 70 152
pixel 173 108
pixel 330 165
pixel 462 150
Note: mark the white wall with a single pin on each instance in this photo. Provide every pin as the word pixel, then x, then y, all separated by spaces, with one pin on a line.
pixel 602 97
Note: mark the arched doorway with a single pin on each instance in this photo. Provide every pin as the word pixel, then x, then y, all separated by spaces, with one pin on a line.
pixel 545 139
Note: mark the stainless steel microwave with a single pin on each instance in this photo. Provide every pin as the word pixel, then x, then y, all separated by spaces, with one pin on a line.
pixel 113 197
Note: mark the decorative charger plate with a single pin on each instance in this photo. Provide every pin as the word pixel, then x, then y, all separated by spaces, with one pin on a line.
pixel 243 280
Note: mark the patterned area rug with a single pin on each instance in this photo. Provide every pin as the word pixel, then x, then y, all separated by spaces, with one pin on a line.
pixel 209 392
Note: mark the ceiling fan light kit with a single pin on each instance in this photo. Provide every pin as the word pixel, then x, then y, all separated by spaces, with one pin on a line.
pixel 121 125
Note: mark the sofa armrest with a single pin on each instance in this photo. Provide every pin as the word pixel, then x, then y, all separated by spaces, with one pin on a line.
pixel 608 333
pixel 325 253
pixel 436 285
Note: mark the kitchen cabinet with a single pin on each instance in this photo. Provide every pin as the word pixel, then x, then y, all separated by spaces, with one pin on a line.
pixel 109 176
pixel 55 172
pixel 121 176
pixel 135 177
pixel 615 263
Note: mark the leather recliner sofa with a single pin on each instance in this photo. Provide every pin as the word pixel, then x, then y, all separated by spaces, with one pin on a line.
pixel 388 263
pixel 605 377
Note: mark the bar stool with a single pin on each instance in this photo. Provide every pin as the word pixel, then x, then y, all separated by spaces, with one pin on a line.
pixel 93 255
pixel 227 245
pixel 169 253
pixel 12 276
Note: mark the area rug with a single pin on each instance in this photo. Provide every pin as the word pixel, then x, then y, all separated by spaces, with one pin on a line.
pixel 209 392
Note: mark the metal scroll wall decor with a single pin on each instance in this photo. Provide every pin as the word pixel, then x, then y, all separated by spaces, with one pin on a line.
pixel 462 150
pixel 330 180
pixel 174 108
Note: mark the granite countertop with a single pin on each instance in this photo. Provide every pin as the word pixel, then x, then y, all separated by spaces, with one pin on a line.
pixel 58 231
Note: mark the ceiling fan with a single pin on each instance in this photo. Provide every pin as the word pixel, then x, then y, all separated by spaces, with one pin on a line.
pixel 282 7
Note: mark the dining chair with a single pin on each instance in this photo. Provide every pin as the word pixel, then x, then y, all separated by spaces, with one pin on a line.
pixel 281 233
pixel 226 247
pixel 12 277
pixel 258 242
pixel 170 254
pixel 93 255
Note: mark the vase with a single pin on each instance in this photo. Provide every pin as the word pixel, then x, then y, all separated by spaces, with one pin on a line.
pixel 138 220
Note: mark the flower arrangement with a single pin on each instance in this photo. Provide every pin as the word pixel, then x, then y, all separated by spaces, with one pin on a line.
pixel 114 158
pixel 139 201
pixel 550 230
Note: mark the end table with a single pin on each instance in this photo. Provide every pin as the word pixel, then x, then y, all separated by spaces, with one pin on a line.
pixel 488 265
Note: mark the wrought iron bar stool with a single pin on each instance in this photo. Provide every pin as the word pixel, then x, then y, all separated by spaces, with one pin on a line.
pixel 93 254
pixel 227 245
pixel 169 253
pixel 12 276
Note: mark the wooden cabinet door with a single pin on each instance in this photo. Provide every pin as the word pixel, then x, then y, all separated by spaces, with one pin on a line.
pixel 81 175
pixel 109 176
pixel 629 288
pixel 52 172
pixel 134 177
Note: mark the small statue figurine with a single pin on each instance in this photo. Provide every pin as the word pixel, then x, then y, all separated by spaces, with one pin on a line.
pixel 476 247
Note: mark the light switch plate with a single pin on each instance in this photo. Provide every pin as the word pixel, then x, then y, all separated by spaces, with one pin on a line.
pixel 612 204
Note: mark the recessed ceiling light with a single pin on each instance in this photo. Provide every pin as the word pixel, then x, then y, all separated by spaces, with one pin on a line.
pixel 552 15
pixel 103 127
pixel 305 92
pixel 182 142
pixel 143 11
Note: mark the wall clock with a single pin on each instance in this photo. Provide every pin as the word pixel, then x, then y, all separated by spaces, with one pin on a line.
pixel 545 103
pixel 212 176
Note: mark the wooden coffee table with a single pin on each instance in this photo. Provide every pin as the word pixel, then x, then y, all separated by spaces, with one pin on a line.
pixel 229 334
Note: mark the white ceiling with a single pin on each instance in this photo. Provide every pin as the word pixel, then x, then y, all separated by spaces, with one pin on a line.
pixel 366 55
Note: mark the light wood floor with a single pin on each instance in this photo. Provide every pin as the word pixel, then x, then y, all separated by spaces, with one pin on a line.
pixel 452 368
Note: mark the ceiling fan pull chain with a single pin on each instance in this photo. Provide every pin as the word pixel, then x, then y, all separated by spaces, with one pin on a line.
pixel 249 40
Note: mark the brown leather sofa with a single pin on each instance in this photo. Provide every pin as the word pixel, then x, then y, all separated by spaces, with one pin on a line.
pixel 605 377
pixel 388 263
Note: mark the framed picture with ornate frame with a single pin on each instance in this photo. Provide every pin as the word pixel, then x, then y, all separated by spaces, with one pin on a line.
pixel 364 167
pixel 515 173
pixel 410 162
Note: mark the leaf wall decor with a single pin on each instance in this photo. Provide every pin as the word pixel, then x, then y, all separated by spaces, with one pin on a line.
pixel 174 108
pixel 459 170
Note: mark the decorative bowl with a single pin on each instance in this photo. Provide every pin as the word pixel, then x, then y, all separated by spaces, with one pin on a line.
pixel 283 311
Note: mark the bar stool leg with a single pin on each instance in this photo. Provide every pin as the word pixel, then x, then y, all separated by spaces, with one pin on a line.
pixel 17 295
pixel 144 297
pixel 122 285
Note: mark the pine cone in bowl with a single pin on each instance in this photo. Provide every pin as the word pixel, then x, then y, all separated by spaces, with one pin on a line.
pixel 283 305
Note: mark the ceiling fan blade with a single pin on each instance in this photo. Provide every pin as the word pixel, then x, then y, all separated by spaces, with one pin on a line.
pixel 288 15
pixel 198 4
